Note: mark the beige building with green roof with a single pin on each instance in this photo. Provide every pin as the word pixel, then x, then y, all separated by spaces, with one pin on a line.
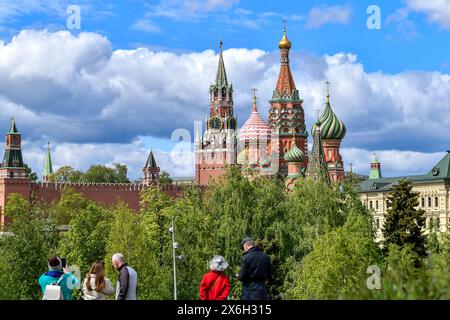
pixel 433 189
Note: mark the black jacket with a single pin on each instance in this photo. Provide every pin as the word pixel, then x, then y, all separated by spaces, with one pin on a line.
pixel 255 266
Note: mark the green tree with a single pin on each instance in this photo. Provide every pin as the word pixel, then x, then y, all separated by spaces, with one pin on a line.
pixel 30 173
pixel 103 174
pixel 69 205
pixel 165 178
pixel 404 223
pixel 338 262
pixel 66 174
pixel 24 253
pixel 87 238
pixel 127 236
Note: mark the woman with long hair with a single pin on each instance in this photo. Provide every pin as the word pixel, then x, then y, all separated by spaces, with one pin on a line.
pixel 95 285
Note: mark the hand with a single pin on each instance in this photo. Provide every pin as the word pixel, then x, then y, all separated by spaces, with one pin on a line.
pixel 66 269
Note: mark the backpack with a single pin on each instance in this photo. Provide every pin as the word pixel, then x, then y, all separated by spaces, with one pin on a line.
pixel 53 291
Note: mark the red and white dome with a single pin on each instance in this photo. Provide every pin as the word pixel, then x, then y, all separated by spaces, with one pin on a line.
pixel 254 128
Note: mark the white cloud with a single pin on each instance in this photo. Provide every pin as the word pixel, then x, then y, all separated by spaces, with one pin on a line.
pixel 321 15
pixel 437 11
pixel 75 91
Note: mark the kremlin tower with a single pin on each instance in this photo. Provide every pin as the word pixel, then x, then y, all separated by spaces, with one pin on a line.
pixel 217 148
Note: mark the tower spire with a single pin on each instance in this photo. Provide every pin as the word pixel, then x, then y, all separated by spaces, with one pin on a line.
pixel 317 168
pixel 48 168
pixel 221 76
pixel 375 168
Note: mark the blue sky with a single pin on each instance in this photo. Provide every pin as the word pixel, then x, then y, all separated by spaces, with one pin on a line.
pixel 137 70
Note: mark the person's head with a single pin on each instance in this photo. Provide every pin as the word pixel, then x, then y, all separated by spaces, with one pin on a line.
pixel 54 264
pixel 218 263
pixel 247 244
pixel 98 268
pixel 117 260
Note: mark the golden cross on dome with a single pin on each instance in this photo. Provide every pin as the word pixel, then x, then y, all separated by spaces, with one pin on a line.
pixel 284 25
pixel 317 113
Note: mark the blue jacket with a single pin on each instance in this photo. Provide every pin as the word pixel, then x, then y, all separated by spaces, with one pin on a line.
pixel 53 277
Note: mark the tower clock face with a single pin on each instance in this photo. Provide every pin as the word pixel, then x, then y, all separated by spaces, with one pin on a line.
pixel 215 123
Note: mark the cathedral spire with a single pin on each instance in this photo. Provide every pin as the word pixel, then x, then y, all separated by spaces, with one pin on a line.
pixel 317 168
pixel 13 128
pixel 375 168
pixel 48 168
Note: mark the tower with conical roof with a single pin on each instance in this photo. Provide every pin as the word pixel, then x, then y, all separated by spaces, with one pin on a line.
pixel 375 168
pixel 150 170
pixel 286 114
pixel 217 148
pixel 13 175
pixel 48 168
pixel 317 167
pixel 332 131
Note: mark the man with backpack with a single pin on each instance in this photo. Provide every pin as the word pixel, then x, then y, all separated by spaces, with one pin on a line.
pixel 57 283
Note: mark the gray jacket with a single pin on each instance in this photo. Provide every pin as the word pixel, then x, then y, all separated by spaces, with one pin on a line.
pixel 127 283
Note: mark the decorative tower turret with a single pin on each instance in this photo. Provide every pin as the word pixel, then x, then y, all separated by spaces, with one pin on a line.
pixel 255 139
pixel 217 148
pixel 295 159
pixel 317 167
pixel 151 171
pixel 12 165
pixel 48 168
pixel 13 176
pixel 332 131
pixel 375 168
pixel 286 112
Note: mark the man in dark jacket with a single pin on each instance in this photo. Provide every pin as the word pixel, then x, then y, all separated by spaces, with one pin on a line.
pixel 255 271
pixel 127 282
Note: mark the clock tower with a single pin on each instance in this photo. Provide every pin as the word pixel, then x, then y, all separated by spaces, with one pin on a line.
pixel 217 148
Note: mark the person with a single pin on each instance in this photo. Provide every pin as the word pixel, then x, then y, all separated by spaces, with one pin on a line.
pixel 255 271
pixel 95 285
pixel 215 285
pixel 127 280
pixel 56 273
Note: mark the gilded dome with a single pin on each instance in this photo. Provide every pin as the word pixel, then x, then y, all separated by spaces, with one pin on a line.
pixel 284 43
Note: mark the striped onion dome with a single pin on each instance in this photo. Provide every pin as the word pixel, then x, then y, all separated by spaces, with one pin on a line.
pixel 255 127
pixel 294 154
pixel 331 127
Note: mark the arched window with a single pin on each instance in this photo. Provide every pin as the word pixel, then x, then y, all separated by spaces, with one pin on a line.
pixel 436 202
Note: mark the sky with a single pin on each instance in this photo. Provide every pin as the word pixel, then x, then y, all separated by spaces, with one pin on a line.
pixel 122 77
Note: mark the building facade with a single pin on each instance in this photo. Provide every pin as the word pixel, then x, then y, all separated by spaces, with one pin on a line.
pixel 433 189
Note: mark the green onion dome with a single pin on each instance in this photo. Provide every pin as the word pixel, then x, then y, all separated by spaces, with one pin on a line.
pixel 330 126
pixel 294 154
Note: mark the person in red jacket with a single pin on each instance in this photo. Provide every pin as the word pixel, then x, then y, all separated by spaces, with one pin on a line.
pixel 215 284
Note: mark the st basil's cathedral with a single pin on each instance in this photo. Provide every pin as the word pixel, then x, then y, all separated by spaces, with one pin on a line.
pixel 278 147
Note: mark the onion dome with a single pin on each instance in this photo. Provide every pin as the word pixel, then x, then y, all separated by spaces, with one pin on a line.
pixel 330 125
pixel 294 154
pixel 284 43
pixel 255 127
